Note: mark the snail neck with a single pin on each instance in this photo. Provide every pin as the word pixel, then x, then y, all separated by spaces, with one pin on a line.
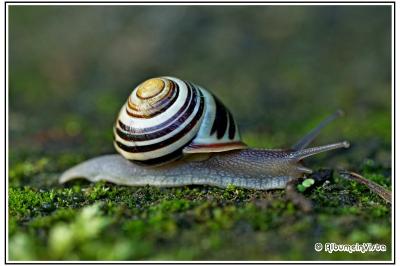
pixel 257 162
pixel 256 155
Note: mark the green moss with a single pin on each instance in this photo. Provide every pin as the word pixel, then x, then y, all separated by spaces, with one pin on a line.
pixel 106 221
pixel 132 223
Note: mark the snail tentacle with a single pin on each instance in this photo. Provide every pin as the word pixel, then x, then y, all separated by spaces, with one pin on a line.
pixel 301 154
pixel 307 139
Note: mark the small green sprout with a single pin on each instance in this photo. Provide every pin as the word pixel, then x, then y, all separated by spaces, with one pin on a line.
pixel 305 184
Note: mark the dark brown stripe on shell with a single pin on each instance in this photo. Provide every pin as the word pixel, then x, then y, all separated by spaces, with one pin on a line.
pixel 166 158
pixel 143 136
pixel 232 128
pixel 164 143
pixel 191 95
pixel 221 119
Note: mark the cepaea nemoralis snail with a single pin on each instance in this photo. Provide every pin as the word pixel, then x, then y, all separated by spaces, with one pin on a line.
pixel 171 132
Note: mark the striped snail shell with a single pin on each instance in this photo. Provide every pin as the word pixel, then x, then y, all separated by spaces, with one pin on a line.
pixel 165 118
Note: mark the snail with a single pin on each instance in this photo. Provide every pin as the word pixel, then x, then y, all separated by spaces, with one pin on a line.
pixel 172 132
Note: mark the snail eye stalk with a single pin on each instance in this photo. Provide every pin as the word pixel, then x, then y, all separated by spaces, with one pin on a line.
pixel 301 154
pixel 307 139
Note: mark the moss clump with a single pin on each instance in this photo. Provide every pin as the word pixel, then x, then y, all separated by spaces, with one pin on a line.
pixel 104 221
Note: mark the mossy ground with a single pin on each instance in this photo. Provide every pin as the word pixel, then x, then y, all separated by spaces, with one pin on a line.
pixel 279 69
pixel 102 221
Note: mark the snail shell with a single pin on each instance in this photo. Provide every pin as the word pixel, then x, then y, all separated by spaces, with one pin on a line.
pixel 165 118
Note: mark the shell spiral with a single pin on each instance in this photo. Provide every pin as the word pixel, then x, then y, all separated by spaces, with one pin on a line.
pixel 165 118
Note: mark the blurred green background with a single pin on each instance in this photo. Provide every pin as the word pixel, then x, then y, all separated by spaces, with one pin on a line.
pixel 280 69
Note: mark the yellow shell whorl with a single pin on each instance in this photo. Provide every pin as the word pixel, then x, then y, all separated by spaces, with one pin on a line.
pixel 152 97
pixel 150 88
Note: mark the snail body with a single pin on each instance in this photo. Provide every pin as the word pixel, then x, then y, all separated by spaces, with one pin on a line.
pixel 171 132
